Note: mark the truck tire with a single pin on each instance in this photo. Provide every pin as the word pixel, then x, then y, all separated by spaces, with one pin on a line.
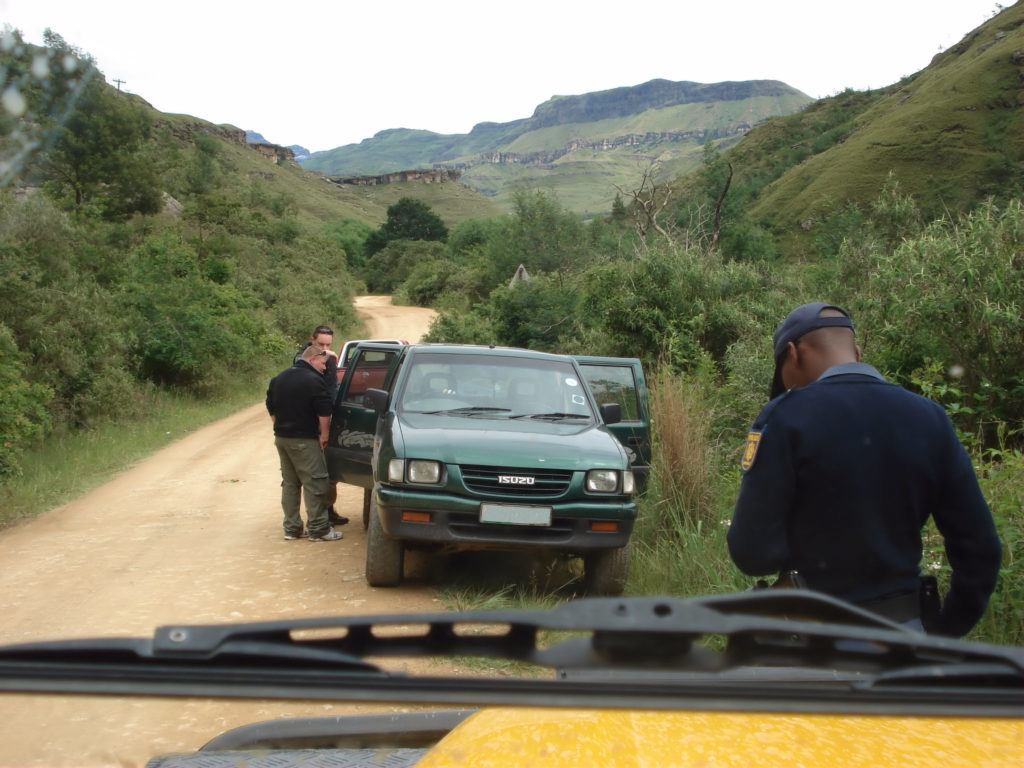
pixel 384 556
pixel 367 495
pixel 605 572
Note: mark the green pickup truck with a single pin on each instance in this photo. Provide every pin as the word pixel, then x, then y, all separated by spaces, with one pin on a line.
pixel 469 447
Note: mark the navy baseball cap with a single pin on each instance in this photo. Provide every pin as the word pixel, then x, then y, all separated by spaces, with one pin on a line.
pixel 801 321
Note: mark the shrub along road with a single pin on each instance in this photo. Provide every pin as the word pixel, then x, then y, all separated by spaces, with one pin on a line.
pixel 190 535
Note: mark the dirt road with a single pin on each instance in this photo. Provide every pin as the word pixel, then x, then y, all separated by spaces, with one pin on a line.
pixel 192 534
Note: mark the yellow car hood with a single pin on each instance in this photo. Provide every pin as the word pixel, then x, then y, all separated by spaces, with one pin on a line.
pixel 532 737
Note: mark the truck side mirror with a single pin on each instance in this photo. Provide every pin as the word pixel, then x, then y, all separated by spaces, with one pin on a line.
pixel 376 399
pixel 611 413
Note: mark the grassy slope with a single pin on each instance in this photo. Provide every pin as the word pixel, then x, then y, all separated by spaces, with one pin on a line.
pixel 391 150
pixel 948 133
pixel 584 181
pixel 319 200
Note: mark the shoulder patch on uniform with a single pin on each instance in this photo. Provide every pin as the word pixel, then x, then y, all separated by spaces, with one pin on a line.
pixel 750 449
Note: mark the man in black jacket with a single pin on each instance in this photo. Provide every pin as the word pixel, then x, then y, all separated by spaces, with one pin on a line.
pixel 300 405
pixel 323 338
pixel 841 471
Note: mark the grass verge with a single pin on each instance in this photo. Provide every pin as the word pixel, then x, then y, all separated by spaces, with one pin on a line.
pixel 67 465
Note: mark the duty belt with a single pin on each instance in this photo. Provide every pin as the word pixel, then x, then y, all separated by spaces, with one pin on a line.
pixel 903 607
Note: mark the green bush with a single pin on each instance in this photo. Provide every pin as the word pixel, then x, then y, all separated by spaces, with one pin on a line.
pixel 24 416
pixel 181 320
pixel 349 235
pixel 533 314
pixel 1002 482
pixel 388 268
pixel 954 297
pixel 426 282
pixel 461 328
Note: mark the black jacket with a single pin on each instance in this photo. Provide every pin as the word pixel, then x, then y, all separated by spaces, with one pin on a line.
pixel 846 472
pixel 296 398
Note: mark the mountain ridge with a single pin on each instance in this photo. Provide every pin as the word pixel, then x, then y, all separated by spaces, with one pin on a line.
pixel 607 135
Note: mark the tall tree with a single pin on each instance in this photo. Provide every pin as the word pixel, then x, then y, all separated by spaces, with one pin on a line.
pixel 408 219
pixel 99 154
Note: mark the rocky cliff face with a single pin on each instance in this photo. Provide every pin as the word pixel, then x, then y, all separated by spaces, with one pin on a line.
pixel 274 153
pixel 656 94
pixel 650 139
pixel 429 176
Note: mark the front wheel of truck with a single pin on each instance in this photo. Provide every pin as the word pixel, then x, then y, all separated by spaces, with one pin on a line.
pixel 384 556
pixel 605 571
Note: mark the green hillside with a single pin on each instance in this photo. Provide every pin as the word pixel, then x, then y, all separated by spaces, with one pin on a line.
pixel 173 258
pixel 581 148
pixel 950 135
pixel 316 198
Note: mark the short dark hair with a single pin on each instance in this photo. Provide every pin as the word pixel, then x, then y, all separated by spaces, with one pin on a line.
pixel 323 329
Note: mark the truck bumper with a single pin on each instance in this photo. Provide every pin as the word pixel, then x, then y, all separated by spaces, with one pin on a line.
pixel 455 520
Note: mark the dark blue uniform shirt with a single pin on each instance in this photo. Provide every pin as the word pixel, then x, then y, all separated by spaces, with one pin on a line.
pixel 845 474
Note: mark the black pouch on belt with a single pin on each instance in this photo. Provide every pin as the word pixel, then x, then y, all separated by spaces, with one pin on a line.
pixel 931 603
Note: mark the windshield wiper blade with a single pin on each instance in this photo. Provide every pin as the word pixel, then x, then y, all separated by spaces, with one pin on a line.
pixel 976 673
pixel 553 415
pixel 469 409
pixel 632 652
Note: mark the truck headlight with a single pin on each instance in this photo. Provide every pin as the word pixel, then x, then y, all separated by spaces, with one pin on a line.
pixel 603 480
pixel 424 472
pixel 396 470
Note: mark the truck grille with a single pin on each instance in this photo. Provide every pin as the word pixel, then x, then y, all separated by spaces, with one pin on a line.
pixel 547 483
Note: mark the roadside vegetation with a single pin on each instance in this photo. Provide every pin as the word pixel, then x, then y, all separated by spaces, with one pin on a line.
pixel 937 304
pixel 142 280
pixel 70 462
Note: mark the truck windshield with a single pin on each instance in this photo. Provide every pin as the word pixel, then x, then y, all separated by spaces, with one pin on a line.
pixel 493 385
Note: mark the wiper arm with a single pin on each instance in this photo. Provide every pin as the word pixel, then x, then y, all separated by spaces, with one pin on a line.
pixel 553 415
pixel 627 652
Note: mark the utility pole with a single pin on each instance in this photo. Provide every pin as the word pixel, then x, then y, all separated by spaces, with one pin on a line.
pixel 119 83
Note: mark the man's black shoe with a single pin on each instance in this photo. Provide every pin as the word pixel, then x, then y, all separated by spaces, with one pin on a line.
pixel 334 518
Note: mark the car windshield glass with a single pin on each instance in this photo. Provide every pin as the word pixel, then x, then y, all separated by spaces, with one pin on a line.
pixel 493 385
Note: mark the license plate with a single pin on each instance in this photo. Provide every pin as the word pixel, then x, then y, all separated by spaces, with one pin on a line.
pixel 512 514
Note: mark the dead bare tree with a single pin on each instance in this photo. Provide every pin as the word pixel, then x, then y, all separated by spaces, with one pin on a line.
pixel 648 202
pixel 718 208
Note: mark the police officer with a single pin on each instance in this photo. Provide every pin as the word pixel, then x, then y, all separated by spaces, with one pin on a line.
pixel 299 403
pixel 841 471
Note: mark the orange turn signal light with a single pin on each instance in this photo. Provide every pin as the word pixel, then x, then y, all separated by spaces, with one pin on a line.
pixel 604 526
pixel 415 517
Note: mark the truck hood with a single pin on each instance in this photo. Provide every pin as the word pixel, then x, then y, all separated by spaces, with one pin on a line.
pixel 510 443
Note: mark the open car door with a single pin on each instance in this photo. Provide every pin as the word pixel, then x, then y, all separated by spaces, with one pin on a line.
pixel 354 422
pixel 621 380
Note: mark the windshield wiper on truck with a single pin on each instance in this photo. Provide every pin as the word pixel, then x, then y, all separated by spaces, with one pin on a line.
pixel 784 650
pixel 464 411
pixel 553 415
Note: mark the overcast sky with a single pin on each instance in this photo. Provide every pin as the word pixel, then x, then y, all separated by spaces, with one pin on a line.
pixel 323 74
